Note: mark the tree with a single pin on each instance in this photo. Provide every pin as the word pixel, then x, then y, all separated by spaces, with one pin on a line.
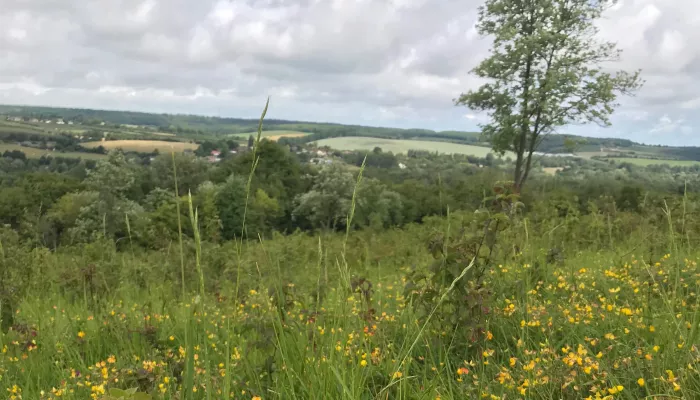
pixel 328 203
pixel 546 70
pixel 230 201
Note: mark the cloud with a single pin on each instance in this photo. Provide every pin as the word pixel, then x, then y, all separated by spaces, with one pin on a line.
pixel 667 125
pixel 382 62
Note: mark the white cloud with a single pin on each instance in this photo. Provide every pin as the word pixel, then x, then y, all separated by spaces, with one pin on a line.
pixel 666 125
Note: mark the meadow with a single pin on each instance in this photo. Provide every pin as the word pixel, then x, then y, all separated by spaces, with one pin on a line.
pixel 649 161
pixel 32 152
pixel 265 277
pixel 142 146
pixel 402 146
pixel 274 135
pixel 332 316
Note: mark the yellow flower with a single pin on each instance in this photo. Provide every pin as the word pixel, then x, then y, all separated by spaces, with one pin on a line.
pixel 257 398
pixel 640 382
pixel 81 334
pixel 398 374
pixel 363 363
pixel 616 389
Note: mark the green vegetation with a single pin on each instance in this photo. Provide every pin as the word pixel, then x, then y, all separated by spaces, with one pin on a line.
pixel 272 135
pixel 263 276
pixel 543 72
pixel 649 161
pixel 402 146
pixel 32 152
pixel 280 270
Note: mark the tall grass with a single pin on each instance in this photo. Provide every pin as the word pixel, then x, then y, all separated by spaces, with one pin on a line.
pixel 316 317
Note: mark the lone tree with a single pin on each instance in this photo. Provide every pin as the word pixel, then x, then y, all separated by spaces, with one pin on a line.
pixel 545 70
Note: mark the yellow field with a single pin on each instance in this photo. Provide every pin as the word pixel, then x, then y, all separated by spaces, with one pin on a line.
pixel 143 146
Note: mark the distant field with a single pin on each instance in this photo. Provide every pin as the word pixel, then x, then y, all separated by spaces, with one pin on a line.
pixel 402 146
pixel 31 152
pixel 552 170
pixel 646 161
pixel 272 135
pixel 143 146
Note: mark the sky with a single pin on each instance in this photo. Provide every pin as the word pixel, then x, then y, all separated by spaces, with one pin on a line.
pixel 397 63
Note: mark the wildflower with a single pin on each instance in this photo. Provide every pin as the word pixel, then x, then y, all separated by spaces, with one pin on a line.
pixel 257 398
pixel 363 363
pixel 397 375
pixel 616 389
pixel 640 382
pixel 81 334
pixel 462 371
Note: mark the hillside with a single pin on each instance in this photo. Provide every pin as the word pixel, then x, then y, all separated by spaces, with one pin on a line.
pixel 196 127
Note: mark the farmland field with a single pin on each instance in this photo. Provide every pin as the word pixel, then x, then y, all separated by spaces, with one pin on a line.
pixel 647 161
pixel 32 152
pixel 272 135
pixel 402 146
pixel 143 146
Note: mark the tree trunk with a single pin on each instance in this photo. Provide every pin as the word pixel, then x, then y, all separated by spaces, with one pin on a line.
pixel 524 126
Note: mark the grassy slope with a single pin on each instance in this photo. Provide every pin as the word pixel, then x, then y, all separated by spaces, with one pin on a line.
pixel 402 146
pixel 567 329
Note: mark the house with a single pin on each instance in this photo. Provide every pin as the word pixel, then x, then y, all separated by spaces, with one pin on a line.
pixel 215 153
pixel 60 121
pixel 320 153
pixel 70 122
pixel 233 152
pixel 213 159
pixel 402 165
pixel 34 120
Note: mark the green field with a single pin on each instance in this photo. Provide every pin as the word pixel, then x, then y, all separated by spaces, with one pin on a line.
pixel 272 135
pixel 32 152
pixel 647 161
pixel 402 146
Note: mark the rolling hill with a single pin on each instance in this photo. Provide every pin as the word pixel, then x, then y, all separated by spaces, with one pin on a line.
pixel 196 127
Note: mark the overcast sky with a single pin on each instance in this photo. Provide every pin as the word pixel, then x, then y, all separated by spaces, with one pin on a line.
pixel 374 62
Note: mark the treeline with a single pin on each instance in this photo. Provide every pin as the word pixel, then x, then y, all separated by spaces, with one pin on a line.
pixel 59 142
pixel 53 202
